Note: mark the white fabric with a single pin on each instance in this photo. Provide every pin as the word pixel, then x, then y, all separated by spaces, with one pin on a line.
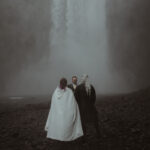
pixel 63 122
pixel 74 86
pixel 85 80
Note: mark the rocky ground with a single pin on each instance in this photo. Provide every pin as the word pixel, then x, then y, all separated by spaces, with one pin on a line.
pixel 124 121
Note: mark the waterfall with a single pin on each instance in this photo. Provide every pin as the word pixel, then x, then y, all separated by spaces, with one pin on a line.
pixel 78 37
pixel 79 44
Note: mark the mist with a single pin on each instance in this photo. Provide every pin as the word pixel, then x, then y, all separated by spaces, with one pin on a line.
pixel 42 41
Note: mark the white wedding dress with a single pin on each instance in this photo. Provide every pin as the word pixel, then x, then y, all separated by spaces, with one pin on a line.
pixel 63 122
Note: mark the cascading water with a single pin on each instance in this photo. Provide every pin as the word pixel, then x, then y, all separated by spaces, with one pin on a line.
pixel 61 38
pixel 78 39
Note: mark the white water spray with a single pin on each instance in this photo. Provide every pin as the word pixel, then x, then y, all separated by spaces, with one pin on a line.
pixel 79 40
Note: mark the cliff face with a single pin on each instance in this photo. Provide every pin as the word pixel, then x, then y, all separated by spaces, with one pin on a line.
pixel 24 36
pixel 31 64
pixel 128 26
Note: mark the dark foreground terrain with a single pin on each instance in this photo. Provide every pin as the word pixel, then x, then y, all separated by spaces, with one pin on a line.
pixel 124 121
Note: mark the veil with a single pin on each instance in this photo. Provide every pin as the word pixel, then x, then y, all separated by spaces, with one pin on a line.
pixel 85 80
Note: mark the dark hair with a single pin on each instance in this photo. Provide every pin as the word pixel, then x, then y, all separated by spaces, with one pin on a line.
pixel 74 77
pixel 63 83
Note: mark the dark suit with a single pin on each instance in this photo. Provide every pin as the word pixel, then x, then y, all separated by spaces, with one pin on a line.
pixel 71 87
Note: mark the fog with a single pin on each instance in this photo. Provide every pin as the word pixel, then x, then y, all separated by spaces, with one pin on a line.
pixel 42 41
pixel 128 24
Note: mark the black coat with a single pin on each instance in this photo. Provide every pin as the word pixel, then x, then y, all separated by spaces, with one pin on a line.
pixel 86 103
pixel 71 87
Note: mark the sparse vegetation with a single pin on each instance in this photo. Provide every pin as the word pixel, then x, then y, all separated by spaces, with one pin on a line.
pixel 124 122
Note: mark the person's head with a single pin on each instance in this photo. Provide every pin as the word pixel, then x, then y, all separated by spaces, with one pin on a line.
pixel 74 79
pixel 84 78
pixel 85 81
pixel 63 83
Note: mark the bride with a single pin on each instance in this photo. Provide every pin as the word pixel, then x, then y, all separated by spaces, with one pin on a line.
pixel 63 122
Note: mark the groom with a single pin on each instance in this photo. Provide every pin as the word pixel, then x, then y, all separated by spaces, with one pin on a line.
pixel 73 86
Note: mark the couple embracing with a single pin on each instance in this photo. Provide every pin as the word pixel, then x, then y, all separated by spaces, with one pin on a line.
pixel 72 107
